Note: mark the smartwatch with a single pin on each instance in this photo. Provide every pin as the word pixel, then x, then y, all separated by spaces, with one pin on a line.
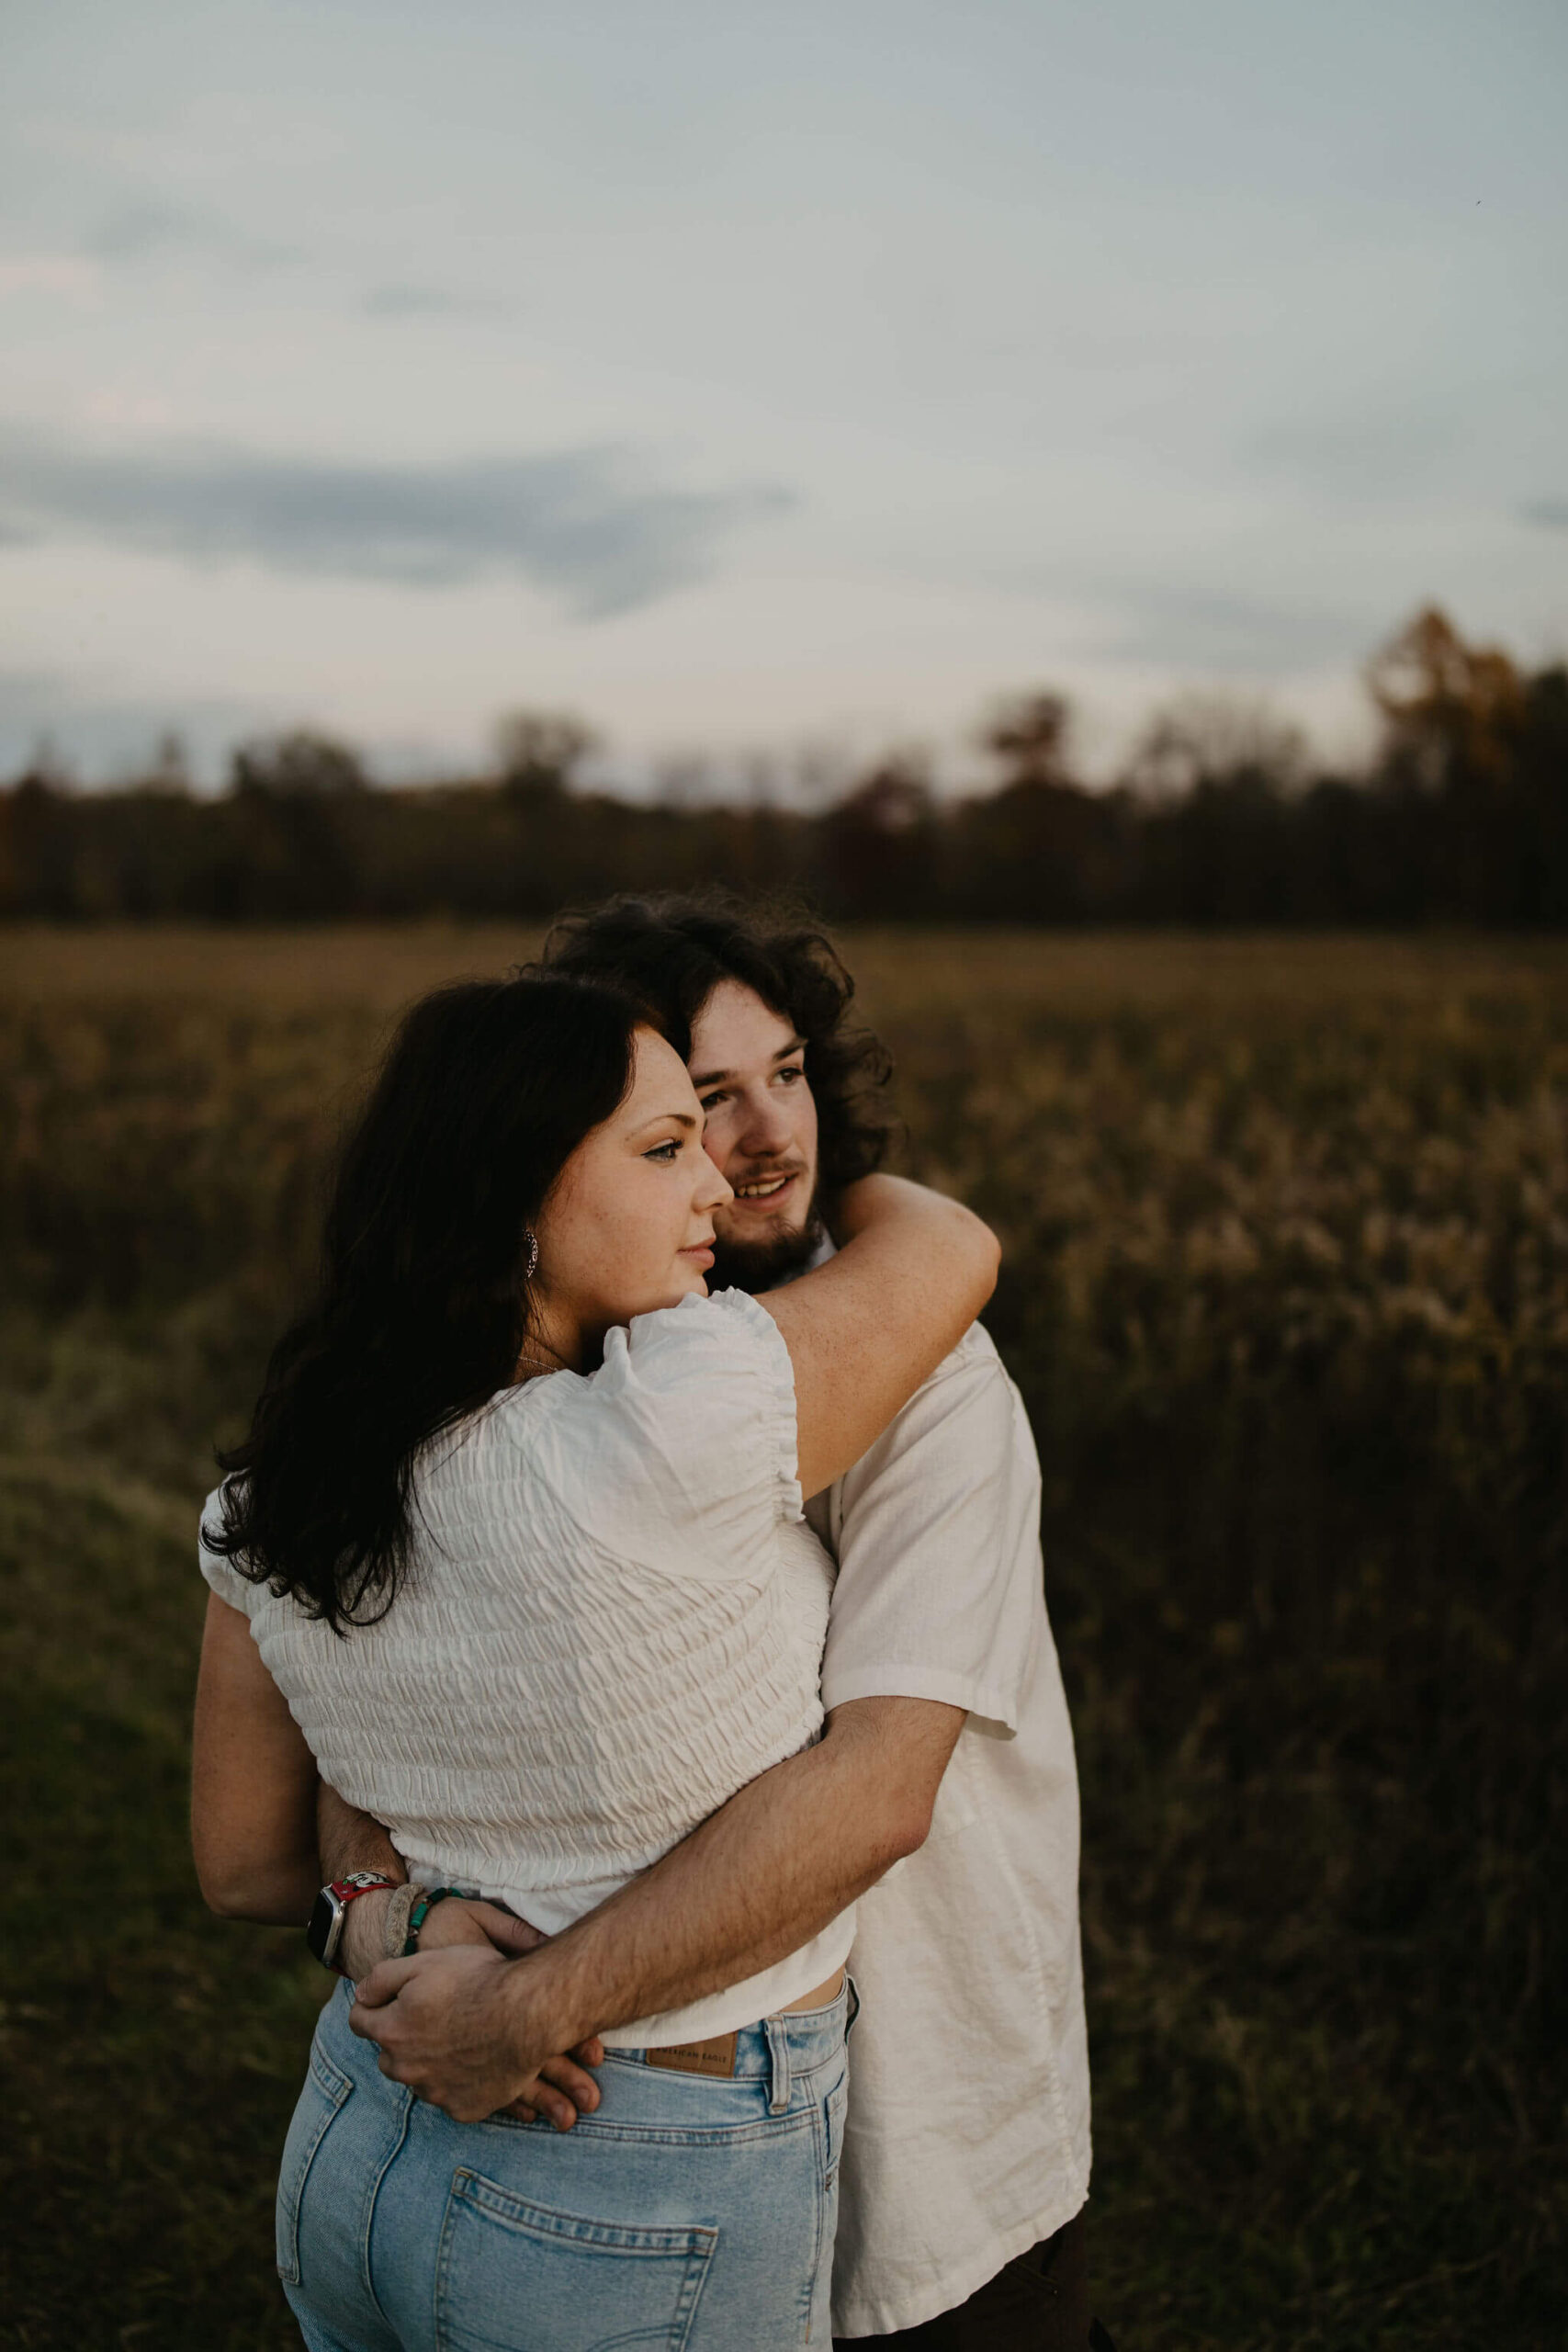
pixel 324 1932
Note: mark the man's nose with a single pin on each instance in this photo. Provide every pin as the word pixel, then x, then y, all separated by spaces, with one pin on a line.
pixel 764 1126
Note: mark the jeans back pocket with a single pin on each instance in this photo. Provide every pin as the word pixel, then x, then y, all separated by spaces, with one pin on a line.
pixel 516 2276
pixel 320 2103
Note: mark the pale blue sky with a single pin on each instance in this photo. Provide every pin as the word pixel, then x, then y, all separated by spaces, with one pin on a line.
pixel 750 377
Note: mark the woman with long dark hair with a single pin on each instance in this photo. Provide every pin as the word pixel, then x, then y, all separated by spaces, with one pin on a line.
pixel 514 1555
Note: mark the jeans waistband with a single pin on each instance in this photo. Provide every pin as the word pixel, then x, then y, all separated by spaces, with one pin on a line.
pixel 782 2050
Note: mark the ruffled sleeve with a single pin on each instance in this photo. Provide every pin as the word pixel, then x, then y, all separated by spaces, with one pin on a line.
pixel 681 1452
pixel 220 1573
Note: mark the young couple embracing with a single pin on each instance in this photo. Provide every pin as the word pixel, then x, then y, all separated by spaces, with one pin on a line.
pixel 629 1597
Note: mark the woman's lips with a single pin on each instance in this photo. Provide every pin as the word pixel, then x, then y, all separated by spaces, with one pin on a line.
pixel 701 1254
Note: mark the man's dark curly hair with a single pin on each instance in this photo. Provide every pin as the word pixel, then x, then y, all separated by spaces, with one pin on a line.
pixel 670 951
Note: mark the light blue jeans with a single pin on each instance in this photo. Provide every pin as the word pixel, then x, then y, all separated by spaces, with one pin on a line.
pixel 688 2214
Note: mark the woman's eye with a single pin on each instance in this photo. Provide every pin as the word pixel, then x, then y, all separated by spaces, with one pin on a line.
pixel 664 1152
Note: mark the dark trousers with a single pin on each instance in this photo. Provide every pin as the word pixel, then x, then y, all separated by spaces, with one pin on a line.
pixel 1038 2303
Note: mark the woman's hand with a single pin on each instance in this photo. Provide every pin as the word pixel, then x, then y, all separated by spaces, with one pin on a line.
pixel 363 1945
pixel 459 1920
pixel 457 2026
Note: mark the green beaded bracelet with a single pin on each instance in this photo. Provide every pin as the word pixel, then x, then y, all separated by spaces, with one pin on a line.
pixel 420 1914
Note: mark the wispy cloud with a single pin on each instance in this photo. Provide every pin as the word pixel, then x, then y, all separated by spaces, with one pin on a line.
pixel 1367 453
pixel 592 524
pixel 1168 614
pixel 398 299
pixel 1189 627
pixel 1546 513
pixel 48 274
pixel 135 233
pixel 148 227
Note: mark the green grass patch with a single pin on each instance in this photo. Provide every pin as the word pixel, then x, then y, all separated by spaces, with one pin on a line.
pixel 153 2053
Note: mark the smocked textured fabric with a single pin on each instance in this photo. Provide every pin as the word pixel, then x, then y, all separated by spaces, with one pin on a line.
pixel 614 1619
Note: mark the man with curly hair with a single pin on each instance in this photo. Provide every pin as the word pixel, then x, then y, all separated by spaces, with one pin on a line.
pixel 965 2161
pixel 943 1793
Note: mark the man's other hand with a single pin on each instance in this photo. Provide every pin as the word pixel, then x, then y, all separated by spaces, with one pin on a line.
pixel 450 2024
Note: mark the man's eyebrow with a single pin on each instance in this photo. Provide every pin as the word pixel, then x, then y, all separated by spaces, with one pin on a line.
pixel 717 1077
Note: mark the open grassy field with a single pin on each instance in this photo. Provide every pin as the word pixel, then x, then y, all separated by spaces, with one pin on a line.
pixel 1287 1291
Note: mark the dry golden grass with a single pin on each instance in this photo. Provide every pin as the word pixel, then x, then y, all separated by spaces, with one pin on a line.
pixel 1287 1292
pixel 384 965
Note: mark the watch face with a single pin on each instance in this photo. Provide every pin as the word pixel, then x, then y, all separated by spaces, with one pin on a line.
pixel 321 1935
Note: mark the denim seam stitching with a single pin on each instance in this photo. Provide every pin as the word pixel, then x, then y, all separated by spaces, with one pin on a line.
pixel 335 2088
pixel 368 2225
pixel 692 2286
pixel 667 2136
pixel 809 2296
pixel 697 2259
pixel 489 2197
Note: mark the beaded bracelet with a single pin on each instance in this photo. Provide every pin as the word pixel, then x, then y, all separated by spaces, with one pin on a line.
pixel 424 1903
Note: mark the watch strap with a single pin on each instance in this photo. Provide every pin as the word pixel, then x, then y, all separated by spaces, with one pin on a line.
pixel 324 1932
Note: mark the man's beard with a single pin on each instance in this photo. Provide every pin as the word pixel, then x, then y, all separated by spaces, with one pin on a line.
pixel 761 1266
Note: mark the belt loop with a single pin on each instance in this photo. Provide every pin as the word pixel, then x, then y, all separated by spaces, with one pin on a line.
pixel 778 2059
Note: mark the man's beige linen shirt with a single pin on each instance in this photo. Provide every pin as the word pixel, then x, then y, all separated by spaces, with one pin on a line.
pixel 968 2132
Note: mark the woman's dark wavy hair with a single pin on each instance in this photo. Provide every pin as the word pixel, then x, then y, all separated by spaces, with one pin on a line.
pixel 422 1306
pixel 672 950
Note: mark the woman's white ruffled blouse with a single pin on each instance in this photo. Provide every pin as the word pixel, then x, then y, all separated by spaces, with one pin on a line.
pixel 614 1619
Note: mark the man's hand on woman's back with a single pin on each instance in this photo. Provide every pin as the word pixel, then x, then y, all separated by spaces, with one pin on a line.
pixel 351 1840
pixel 456 2028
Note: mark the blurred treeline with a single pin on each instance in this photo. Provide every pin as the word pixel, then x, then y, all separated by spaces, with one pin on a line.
pixel 1221 818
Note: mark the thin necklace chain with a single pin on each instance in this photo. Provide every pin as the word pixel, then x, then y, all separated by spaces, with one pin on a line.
pixel 539 1365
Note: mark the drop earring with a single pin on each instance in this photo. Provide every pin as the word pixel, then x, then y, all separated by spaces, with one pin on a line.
pixel 533 1240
